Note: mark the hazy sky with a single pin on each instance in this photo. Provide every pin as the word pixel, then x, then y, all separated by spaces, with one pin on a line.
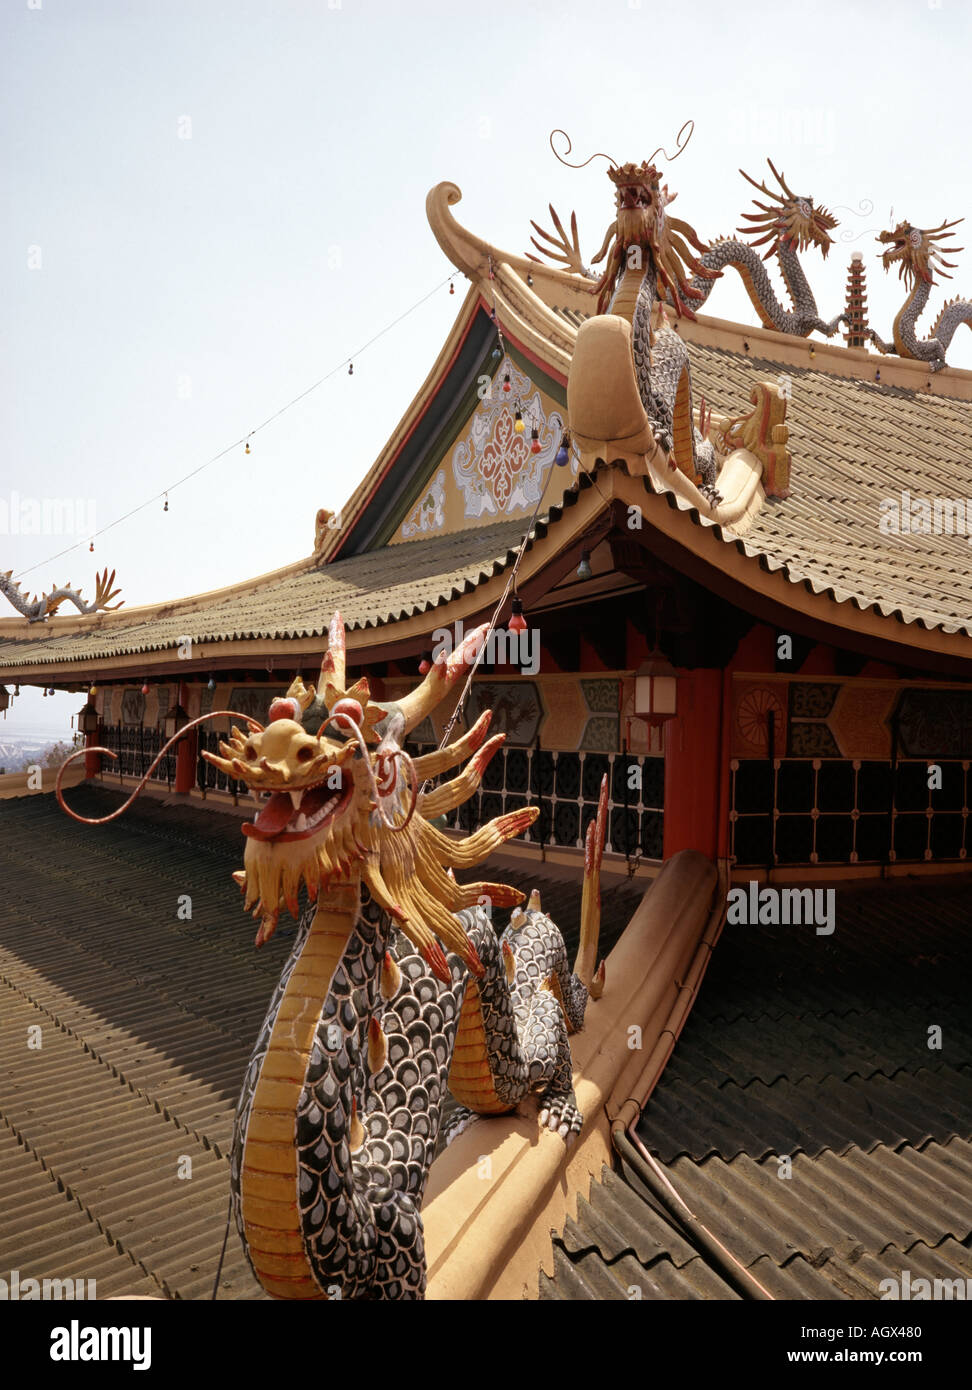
pixel 208 206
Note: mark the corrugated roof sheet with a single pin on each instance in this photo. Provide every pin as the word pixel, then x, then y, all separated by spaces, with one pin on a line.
pixel 147 1022
pixel 814 1048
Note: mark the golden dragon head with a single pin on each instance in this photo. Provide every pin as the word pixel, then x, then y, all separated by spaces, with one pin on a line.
pixel 914 250
pixel 341 800
pixel 643 225
pixel 789 220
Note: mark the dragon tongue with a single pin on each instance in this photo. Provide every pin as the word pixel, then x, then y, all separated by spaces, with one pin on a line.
pixel 275 814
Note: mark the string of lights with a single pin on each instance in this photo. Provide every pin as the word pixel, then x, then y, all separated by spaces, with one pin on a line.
pixel 163 494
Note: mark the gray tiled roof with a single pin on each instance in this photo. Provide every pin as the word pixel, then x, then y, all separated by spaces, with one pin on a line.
pixel 148 1023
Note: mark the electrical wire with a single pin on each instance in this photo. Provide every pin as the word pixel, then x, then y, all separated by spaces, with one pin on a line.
pixel 244 438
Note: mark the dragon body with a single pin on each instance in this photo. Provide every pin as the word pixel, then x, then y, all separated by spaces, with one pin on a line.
pixel 788 227
pixel 918 254
pixel 340 1111
pixel 38 610
pixel 514 1024
pixel 647 260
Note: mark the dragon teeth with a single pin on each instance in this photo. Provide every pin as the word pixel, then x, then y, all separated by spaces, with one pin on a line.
pixel 301 822
pixel 296 799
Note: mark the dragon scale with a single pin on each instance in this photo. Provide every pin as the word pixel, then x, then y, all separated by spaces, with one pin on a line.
pixel 662 372
pixel 801 320
pixel 325 1208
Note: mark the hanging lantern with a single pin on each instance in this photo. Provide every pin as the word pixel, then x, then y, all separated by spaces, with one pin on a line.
pixel 350 369
pixel 506 382
pixel 247 449
pixel 52 691
pixel 452 288
pixel 562 456
pixel 496 354
pixel 425 665
pixel 88 720
pixel 145 688
pixel 584 568
pixel 91 546
pixel 655 689
pixel 518 424
pixel 17 691
pixel 517 621
pixel 211 683
pixel 92 692
pixel 534 441
pixel 174 719
pixel 166 507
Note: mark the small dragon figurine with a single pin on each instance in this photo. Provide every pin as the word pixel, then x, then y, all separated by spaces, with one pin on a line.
pixel 38 610
pixel 512 1036
pixel 916 251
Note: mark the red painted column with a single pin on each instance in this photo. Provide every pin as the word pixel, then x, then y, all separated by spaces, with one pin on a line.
pixel 92 761
pixel 185 752
pixel 693 771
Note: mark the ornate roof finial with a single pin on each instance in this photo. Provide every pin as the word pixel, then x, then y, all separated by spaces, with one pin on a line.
pixel 855 333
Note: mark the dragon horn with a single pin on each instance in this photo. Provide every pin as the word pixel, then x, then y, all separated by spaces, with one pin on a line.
pixel 333 662
pixel 761 186
pixel 449 795
pixel 445 672
pixel 934 231
pixel 780 180
pixel 591 892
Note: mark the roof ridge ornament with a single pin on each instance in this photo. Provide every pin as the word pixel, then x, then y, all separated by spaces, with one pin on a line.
pixel 918 254
pixel 38 610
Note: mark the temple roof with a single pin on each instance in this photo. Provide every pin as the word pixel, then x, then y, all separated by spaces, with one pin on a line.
pixel 370 590
pixel 856 443
pixel 417 537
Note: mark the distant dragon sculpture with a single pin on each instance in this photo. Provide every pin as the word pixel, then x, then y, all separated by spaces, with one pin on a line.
pixel 647 259
pixel 339 1115
pixel 38 610
pixel 918 255
pixel 791 226
pixel 657 270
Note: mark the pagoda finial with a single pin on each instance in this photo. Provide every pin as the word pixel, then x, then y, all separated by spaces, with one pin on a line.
pixel 856 331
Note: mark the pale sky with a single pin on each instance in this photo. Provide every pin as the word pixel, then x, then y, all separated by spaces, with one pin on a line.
pixel 208 206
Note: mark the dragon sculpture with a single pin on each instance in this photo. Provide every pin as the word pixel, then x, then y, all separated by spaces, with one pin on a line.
pixel 918 254
pixel 656 267
pixel 38 610
pixel 789 227
pixel 647 259
pixel 340 1111
pixel 790 224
